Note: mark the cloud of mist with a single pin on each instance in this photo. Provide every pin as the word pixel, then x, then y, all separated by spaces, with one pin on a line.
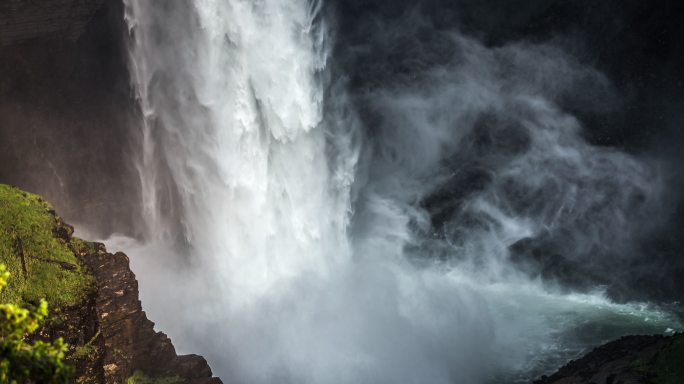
pixel 480 137
pixel 358 229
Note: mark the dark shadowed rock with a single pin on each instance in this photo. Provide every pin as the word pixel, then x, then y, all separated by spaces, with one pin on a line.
pixel 22 20
pixel 629 360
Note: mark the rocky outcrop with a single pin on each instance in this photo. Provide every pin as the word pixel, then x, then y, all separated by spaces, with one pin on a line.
pixel 22 20
pixel 130 341
pixel 93 298
pixel 629 360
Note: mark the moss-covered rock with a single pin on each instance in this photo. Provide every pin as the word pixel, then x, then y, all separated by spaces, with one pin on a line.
pixel 35 245
pixel 43 258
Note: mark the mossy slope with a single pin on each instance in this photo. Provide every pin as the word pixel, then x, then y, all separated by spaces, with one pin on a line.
pixel 38 250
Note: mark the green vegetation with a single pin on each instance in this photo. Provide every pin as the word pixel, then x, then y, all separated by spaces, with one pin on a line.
pixel 85 351
pixel 140 378
pixel 21 361
pixel 33 246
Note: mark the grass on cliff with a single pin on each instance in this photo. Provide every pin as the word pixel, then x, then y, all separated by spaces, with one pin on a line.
pixel 41 263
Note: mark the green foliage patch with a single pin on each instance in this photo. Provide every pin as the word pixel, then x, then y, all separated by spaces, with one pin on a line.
pixel 43 266
pixel 85 351
pixel 20 360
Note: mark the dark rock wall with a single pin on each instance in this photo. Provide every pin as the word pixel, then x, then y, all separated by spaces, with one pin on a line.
pixel 67 113
pixel 22 20
pixel 629 360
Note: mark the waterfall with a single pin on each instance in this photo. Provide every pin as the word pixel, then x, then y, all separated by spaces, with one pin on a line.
pixel 294 236
pixel 233 106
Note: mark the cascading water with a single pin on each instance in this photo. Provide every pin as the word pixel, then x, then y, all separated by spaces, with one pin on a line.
pixel 234 113
pixel 296 239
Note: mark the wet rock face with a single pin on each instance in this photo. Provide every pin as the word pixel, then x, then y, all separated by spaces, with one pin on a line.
pixel 68 120
pixel 130 341
pixel 22 20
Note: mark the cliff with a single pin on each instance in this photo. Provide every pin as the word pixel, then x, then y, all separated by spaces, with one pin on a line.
pixel 22 20
pixel 66 104
pixel 93 296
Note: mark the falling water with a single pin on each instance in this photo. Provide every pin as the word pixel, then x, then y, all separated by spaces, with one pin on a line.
pixel 234 110
pixel 280 224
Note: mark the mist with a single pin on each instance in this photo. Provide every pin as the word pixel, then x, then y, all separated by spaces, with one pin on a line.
pixel 369 191
pixel 429 216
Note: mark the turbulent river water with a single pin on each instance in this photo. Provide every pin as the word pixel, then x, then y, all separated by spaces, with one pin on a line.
pixel 310 225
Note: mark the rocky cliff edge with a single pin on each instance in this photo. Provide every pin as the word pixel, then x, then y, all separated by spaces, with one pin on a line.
pixel 93 296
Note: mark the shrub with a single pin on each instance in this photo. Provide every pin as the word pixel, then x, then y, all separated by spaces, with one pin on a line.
pixel 20 360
